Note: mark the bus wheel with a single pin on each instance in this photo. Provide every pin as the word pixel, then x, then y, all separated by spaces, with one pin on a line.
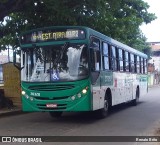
pixel 56 114
pixel 102 113
pixel 136 100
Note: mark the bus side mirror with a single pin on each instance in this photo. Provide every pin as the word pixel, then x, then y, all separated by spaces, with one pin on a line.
pixel 17 65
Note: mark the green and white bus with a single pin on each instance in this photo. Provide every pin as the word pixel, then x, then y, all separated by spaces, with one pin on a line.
pixel 74 68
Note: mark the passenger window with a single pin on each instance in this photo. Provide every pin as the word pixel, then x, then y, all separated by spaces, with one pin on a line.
pixel 105 49
pixel 95 54
pixel 95 59
pixel 138 64
pixel 135 63
pixel 105 56
pixel 95 43
pixel 127 61
pixel 121 63
pixel 114 58
pixel 142 65
pixel 145 66
pixel 132 63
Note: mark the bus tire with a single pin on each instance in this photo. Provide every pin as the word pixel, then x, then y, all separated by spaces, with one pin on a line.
pixel 136 100
pixel 103 113
pixel 56 114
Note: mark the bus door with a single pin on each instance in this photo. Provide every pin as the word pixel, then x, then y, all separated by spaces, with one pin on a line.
pixel 95 71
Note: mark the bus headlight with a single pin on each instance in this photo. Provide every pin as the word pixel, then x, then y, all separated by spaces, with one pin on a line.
pixel 84 91
pixel 23 92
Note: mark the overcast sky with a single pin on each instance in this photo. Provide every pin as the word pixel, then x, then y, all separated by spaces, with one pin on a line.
pixel 152 30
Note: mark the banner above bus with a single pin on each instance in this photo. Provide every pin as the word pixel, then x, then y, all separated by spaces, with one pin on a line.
pixel 52 35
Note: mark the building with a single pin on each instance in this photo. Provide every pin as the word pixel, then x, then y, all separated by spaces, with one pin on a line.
pixel 154 64
pixel 3 59
pixel 155 56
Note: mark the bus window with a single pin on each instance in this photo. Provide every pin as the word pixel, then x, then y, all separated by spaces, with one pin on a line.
pixel 143 69
pixel 105 49
pixel 95 53
pixel 95 60
pixel 129 59
pixel 138 64
pixel 135 63
pixel 94 43
pixel 145 66
pixel 95 65
pixel 105 56
pixel 114 58
pixel 121 59
pixel 126 61
pixel 141 61
pixel 117 59
pixel 132 63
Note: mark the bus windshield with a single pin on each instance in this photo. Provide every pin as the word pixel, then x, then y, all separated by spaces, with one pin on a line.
pixel 66 62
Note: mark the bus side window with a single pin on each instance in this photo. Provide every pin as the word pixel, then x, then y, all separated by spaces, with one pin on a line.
pixel 113 58
pixel 126 61
pixel 132 63
pixel 105 56
pixel 117 59
pixel 135 63
pixel 141 65
pixel 94 43
pixel 95 53
pixel 121 60
pixel 129 61
pixel 145 66
pixel 95 65
pixel 138 64
pixel 95 60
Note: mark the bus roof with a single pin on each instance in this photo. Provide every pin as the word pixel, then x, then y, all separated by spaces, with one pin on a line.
pixel 116 43
pixel 96 34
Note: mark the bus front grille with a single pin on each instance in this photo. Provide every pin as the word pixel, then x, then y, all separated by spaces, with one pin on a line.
pixel 53 87
pixel 53 98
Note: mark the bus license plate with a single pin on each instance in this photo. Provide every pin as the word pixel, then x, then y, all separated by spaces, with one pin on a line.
pixel 51 105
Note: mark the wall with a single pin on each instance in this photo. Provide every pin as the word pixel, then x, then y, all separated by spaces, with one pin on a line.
pixel 12 89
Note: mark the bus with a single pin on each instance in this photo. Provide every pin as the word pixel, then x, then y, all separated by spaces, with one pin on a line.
pixel 75 68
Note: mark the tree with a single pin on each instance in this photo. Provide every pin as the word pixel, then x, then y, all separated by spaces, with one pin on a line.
pixel 10 6
pixel 117 19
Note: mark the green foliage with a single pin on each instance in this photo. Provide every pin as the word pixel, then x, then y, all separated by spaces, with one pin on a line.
pixel 118 19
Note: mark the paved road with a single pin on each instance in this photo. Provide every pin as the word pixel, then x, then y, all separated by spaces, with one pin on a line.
pixel 124 120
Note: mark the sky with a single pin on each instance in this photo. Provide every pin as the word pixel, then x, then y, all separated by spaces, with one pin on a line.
pixel 152 30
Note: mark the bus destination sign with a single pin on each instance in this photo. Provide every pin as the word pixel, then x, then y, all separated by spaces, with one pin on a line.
pixel 52 35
